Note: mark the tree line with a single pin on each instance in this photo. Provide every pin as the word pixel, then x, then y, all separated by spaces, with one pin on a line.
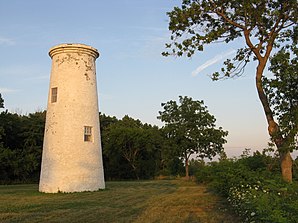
pixel 131 149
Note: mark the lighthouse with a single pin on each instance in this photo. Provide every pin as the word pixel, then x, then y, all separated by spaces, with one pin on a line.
pixel 72 154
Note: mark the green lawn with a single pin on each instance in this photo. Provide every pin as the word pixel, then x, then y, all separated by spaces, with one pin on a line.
pixel 127 201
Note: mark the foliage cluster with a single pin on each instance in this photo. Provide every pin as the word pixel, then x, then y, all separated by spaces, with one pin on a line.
pixel 1 101
pixel 282 93
pixel 133 150
pixel 253 187
pixel 21 139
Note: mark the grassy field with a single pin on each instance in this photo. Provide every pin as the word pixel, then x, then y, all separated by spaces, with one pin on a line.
pixel 135 201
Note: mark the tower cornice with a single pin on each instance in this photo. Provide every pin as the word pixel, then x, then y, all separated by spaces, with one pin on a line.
pixel 73 47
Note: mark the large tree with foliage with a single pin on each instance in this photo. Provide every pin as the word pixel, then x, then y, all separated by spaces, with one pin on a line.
pixel 192 129
pixel 264 25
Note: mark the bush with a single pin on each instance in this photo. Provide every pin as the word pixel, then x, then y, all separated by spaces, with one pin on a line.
pixel 268 201
pixel 255 191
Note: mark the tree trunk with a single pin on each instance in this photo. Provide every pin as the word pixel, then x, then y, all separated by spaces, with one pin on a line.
pixel 186 169
pixel 273 129
pixel 286 164
pixel 135 171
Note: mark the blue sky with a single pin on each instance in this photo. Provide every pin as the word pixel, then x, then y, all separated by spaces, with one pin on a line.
pixel 133 78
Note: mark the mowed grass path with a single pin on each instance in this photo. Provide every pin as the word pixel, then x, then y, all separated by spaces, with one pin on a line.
pixel 129 201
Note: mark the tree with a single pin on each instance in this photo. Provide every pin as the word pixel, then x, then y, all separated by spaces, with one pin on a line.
pixel 33 132
pixel 170 164
pixel 123 139
pixel 106 121
pixel 1 101
pixel 21 139
pixel 132 149
pixel 192 128
pixel 264 25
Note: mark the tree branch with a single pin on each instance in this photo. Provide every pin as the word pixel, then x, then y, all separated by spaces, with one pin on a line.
pixel 251 46
pixel 221 14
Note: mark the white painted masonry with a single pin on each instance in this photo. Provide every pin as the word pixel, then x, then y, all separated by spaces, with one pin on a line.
pixel 71 161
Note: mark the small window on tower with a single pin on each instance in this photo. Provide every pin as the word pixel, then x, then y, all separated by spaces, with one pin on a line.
pixel 54 95
pixel 87 133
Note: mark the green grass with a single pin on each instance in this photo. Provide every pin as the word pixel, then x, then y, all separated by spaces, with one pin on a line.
pixel 127 201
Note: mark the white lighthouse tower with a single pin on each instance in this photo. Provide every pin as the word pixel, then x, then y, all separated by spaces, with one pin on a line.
pixel 72 155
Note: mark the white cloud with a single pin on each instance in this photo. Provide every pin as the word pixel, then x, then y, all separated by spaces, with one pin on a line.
pixel 212 61
pixel 6 41
pixel 7 90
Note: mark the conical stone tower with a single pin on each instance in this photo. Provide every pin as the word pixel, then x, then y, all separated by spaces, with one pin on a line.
pixel 72 155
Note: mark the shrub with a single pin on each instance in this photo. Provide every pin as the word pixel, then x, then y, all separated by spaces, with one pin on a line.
pixel 255 193
pixel 268 201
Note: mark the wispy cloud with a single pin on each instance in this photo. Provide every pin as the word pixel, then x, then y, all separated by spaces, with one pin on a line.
pixel 6 41
pixel 212 61
pixel 7 90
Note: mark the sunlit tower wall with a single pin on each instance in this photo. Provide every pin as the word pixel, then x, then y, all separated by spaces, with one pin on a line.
pixel 72 154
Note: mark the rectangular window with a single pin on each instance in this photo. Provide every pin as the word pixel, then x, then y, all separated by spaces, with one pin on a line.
pixel 87 133
pixel 54 95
